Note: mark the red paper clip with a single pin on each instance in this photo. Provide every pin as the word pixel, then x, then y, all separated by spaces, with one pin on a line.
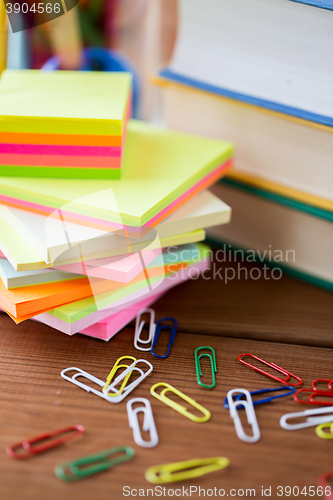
pixel 35 450
pixel 314 392
pixel 322 481
pixel 327 394
pixel 301 401
pixel 319 380
pixel 275 367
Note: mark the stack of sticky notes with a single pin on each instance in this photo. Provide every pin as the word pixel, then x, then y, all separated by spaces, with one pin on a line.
pixel 161 171
pixel 84 255
pixel 63 123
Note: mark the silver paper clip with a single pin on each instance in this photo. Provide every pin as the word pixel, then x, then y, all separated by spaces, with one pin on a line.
pixel 247 404
pixel 148 422
pixel 129 388
pixel 309 422
pixel 138 329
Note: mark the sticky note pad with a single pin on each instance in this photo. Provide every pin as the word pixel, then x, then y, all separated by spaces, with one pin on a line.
pixel 71 321
pixel 26 302
pixel 107 327
pixel 64 102
pixel 17 279
pixel 63 123
pixel 24 258
pixel 111 325
pixel 204 210
pixel 74 311
pixel 161 171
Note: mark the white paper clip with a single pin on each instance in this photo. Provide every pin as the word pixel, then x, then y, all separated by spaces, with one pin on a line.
pixel 111 399
pixel 129 388
pixel 88 376
pixel 148 422
pixel 309 422
pixel 138 329
pixel 247 404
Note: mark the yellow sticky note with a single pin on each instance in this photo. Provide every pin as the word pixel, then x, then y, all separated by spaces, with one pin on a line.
pixel 64 102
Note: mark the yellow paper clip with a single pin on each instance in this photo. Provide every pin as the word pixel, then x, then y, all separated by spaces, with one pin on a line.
pixel 179 471
pixel 323 434
pixel 181 409
pixel 112 374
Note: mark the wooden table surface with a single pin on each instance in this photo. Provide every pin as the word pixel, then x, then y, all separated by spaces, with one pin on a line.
pixel 269 319
pixel 286 310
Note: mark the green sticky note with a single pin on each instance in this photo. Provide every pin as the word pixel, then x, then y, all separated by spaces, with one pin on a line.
pixel 60 172
pixel 20 255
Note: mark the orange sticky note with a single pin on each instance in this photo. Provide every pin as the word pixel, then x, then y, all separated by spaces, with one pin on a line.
pixel 26 302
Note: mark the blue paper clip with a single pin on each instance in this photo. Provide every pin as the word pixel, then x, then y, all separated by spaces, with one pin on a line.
pixel 292 390
pixel 158 329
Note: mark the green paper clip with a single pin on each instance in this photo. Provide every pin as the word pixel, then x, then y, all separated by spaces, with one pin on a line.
pixel 212 362
pixel 79 468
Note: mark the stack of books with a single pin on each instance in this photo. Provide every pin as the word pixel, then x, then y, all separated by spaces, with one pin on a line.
pixel 260 73
pixel 57 124
pixel 84 255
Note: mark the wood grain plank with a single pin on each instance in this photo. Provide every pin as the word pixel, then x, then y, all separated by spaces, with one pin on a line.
pixel 285 310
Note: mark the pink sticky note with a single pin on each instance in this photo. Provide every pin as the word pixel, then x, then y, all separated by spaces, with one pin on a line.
pixel 56 150
pixel 111 325
pixel 118 268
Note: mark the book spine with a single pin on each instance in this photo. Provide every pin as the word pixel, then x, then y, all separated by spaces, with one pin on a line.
pixel 326 4
pixel 263 103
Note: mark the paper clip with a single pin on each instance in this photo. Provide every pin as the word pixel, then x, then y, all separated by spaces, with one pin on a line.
pixel 148 422
pixel 320 380
pixel 323 434
pixel 212 359
pixel 88 376
pixel 275 367
pixel 158 329
pixel 139 326
pixel 291 390
pixel 115 398
pixel 77 469
pixel 112 373
pixel 322 481
pixel 250 414
pixel 129 388
pixel 310 421
pixel 31 450
pixel 313 394
pixel 181 409
pixel 180 471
